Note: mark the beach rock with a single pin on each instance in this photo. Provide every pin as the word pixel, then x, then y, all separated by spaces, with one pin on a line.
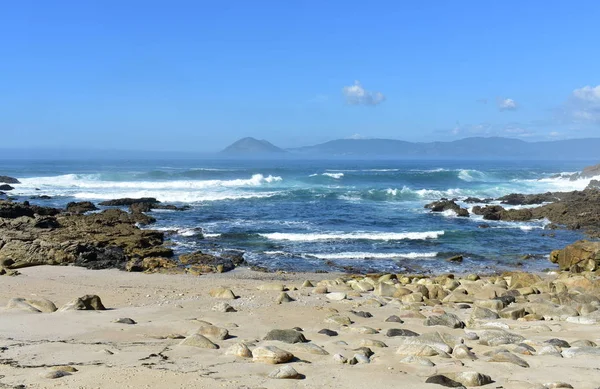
pixel 558 343
pixel 309 348
pixel 284 372
pixel 573 352
pixel 361 358
pixel 372 343
pixel 418 361
pixel 481 313
pixel 275 287
pixel 81 207
pixel 470 378
pixel 513 313
pixel 498 337
pixel 271 354
pixel 556 385
pixel 239 350
pixel 284 298
pixel 125 320
pixel 446 319
pixel 213 332
pixel 336 296
pixel 328 332
pixel 462 352
pixel 392 332
pixel 363 314
pixel 207 263
pixel 444 381
pixel 200 341
pixel 89 302
pixel 9 180
pixel 307 284
pixel 287 336
pixel 6 187
pixel 32 305
pixel 505 356
pixel 338 319
pixel 394 319
pixel 579 256
pixel 54 374
pixel 222 293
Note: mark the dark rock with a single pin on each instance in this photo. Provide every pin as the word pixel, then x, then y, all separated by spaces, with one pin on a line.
pixel 9 180
pixel 287 336
pixel 445 205
pixel 594 184
pixel 392 332
pixel 41 197
pixel 444 381
pixel 97 258
pixel 45 211
pixel 128 201
pixel 506 300
pixel 530 199
pixel 367 352
pixel 141 207
pixel 6 187
pixel 446 319
pixel 81 207
pixel 362 314
pixel 394 319
pixel 46 222
pixel 456 259
pixel 328 332
pixel 12 210
pixel 558 343
pixel 472 200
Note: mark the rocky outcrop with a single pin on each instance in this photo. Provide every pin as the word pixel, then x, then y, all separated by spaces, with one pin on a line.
pixel 497 212
pixel 124 202
pixel 445 205
pixel 528 199
pixel 32 235
pixel 9 180
pixel 581 256
pixel 199 262
pixel 6 187
pixel 81 207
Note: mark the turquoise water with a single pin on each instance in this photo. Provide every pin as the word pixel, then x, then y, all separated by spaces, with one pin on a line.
pixel 321 215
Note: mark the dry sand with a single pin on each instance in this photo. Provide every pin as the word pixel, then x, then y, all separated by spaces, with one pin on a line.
pixel 112 355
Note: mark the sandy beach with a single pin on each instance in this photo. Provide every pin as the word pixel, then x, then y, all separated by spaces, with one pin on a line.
pixel 146 355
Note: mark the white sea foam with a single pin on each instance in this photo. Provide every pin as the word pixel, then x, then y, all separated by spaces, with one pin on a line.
pixel 471 175
pixel 337 176
pixel 174 196
pixel 367 255
pixel 386 236
pixel 93 181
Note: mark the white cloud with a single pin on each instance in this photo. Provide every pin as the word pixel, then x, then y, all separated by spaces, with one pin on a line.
pixel 554 134
pixel 588 94
pixel 356 94
pixel 507 104
pixel 584 104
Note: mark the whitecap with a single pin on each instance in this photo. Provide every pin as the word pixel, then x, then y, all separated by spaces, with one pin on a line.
pixel 385 236
pixel 368 255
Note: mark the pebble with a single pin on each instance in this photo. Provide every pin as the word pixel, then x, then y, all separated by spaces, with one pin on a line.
pixel 284 372
pixel 271 354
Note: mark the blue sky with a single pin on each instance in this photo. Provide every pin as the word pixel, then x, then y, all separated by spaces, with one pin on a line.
pixel 197 75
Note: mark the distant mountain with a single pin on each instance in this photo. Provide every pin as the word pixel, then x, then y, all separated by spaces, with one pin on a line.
pixel 476 147
pixel 250 145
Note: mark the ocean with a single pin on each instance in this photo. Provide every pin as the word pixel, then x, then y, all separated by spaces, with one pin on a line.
pixel 322 215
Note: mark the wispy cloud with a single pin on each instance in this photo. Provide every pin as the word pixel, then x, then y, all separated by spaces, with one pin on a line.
pixel 584 104
pixel 357 95
pixel 506 104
